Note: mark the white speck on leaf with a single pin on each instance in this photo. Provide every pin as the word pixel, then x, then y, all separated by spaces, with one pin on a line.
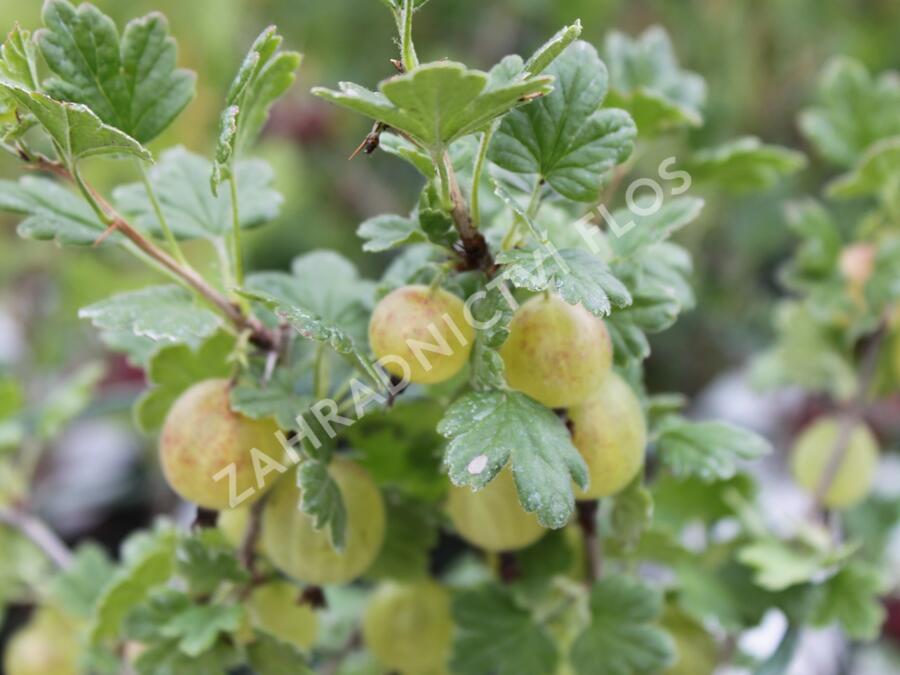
pixel 477 465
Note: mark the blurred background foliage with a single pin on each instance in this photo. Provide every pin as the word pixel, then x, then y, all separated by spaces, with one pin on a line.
pixel 760 59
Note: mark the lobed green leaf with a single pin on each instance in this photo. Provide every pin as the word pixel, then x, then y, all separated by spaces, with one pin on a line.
pixel 322 501
pixel 745 164
pixel 708 450
pixel 164 314
pixel 623 637
pixel 495 635
pixel 264 76
pixel 563 138
pixel 496 427
pixel 647 81
pixel 132 85
pixel 52 212
pixel 854 111
pixel 75 130
pixel 437 103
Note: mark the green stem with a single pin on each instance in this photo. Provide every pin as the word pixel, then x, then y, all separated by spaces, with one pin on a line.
pixel 479 169
pixel 534 205
pixel 407 49
pixel 157 209
pixel 444 176
pixel 236 233
pixel 224 263
pixel 321 376
pixel 90 198
pixel 509 239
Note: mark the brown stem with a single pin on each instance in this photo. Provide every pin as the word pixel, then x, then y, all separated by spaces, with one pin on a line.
pixel 850 416
pixel 40 534
pixel 475 249
pixel 259 334
pixel 509 568
pixel 247 551
pixel 587 521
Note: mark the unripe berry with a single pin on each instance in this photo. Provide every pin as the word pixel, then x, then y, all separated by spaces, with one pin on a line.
pixel 813 453
pixel 556 353
pixel 857 263
pixel 492 518
pixel 46 645
pixel 306 554
pixel 696 652
pixel 408 627
pixel 202 436
pixel 424 328
pixel 274 608
pixel 610 433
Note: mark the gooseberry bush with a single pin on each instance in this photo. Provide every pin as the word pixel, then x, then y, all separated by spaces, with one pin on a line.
pixel 456 468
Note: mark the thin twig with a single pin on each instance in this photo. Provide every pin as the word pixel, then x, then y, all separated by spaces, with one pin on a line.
pixel 247 551
pixel 259 334
pixel 160 216
pixel 40 534
pixel 850 416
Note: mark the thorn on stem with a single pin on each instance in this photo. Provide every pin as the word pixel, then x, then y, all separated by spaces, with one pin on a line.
pixel 106 233
pixel 371 142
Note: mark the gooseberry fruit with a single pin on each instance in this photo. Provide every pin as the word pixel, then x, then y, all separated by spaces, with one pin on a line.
pixel 202 437
pixel 556 353
pixel 46 645
pixel 304 553
pixel 492 518
pixel 610 433
pixel 857 262
pixel 273 608
pixel 812 455
pixel 696 652
pixel 426 329
pixel 408 627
